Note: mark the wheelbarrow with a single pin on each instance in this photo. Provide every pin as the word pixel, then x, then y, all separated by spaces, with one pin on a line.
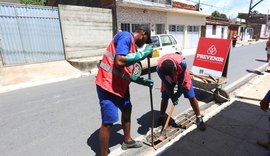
pixel 212 84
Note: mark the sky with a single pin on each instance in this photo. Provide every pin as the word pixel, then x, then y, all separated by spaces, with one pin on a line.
pixel 232 7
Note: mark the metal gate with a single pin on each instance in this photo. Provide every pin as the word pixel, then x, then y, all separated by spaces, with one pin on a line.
pixel 29 34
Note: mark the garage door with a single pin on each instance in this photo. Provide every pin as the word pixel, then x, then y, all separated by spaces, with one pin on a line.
pixel 178 32
pixel 192 36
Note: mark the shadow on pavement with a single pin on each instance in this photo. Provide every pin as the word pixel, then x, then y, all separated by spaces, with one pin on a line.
pixel 145 122
pixel 254 71
pixel 115 139
pixel 260 60
pixel 203 95
pixel 234 131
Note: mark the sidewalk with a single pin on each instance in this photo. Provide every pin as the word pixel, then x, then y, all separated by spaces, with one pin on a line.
pixel 233 128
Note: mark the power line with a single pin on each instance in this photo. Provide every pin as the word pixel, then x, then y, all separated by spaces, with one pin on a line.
pixel 213 6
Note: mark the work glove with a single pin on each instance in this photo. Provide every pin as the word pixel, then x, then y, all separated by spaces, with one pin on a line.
pixel 169 90
pixel 131 58
pixel 175 100
pixel 142 81
pixel 179 91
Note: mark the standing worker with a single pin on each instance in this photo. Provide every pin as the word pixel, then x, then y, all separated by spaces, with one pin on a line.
pixel 267 48
pixel 172 70
pixel 234 40
pixel 113 79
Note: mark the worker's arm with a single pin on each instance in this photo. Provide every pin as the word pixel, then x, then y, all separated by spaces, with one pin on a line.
pixel 132 58
pixel 120 61
pixel 142 81
pixel 181 79
pixel 169 88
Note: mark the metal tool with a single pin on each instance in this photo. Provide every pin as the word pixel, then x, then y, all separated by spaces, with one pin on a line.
pixel 151 102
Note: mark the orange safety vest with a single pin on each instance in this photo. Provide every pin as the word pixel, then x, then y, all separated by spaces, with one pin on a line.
pixel 177 59
pixel 109 77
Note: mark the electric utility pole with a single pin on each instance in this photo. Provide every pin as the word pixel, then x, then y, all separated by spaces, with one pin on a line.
pixel 251 7
pixel 249 11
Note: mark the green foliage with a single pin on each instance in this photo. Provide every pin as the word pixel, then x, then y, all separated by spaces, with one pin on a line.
pixel 255 12
pixel 219 15
pixel 33 2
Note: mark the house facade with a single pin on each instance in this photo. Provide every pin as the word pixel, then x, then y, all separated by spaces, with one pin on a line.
pixel 255 26
pixel 170 17
pixel 162 16
pixel 217 27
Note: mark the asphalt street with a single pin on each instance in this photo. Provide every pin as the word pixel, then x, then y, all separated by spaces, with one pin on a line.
pixel 63 118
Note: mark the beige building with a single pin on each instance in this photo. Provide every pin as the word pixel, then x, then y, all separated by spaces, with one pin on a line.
pixel 167 17
pixel 162 16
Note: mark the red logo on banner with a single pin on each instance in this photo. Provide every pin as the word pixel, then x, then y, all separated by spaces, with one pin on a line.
pixel 212 53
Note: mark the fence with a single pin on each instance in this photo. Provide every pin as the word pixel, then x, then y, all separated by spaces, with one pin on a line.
pixel 29 34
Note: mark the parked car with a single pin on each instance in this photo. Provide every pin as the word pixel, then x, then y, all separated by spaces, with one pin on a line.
pixel 163 44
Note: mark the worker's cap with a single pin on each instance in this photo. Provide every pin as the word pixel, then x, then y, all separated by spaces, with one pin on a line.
pixel 147 31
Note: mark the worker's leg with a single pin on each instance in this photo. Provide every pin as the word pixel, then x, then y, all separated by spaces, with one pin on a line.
pixel 126 109
pixel 195 106
pixel 104 136
pixel 126 125
pixel 190 94
pixel 109 115
pixel 163 107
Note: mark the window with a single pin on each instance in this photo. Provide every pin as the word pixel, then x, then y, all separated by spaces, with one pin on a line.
pixel 129 27
pixel 125 27
pixel 134 26
pixel 214 30
pixel 189 28
pixel 159 28
pixel 172 39
pixel 179 28
pixel 176 28
pixel 193 28
pixel 155 41
pixel 165 40
pixel 172 28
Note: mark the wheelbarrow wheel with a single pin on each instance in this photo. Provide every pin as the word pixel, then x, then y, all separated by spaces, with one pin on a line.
pixel 221 96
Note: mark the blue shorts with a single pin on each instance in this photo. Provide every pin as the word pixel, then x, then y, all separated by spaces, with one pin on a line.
pixel 187 93
pixel 109 104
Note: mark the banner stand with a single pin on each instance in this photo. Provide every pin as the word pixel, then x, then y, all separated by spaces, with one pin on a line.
pixel 210 67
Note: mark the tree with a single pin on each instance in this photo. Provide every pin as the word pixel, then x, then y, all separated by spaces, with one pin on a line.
pixel 219 15
pixel 33 2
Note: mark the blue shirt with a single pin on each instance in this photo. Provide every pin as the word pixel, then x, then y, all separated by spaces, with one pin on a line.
pixel 122 42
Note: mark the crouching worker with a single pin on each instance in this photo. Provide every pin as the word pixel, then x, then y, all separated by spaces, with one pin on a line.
pixel 112 83
pixel 172 70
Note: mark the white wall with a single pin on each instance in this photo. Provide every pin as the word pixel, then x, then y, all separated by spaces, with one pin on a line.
pixel 209 34
pixel 182 19
pixel 86 30
pixel 186 20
